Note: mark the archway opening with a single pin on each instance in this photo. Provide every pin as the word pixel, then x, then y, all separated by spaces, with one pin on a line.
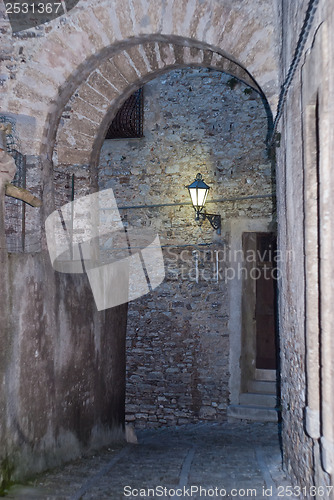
pixel 182 340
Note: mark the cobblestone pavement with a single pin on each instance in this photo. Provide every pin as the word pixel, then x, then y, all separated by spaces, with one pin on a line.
pixel 192 461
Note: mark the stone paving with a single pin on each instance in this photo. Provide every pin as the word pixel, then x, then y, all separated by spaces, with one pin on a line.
pixel 203 460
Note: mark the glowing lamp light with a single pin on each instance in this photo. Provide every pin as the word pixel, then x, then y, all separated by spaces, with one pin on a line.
pixel 198 191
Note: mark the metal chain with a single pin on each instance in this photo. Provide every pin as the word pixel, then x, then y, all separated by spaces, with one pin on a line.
pixel 307 24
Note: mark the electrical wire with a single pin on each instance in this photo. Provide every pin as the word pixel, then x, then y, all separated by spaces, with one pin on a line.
pixel 189 203
pixel 307 24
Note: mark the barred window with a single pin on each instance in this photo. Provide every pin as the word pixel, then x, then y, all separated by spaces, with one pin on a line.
pixel 128 122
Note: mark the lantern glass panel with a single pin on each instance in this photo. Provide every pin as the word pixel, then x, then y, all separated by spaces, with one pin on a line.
pixel 198 191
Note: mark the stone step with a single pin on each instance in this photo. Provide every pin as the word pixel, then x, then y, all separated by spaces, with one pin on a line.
pixel 256 399
pixel 265 374
pixel 262 386
pixel 252 413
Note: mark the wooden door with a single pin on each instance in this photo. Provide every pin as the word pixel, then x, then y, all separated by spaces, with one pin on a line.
pixel 265 302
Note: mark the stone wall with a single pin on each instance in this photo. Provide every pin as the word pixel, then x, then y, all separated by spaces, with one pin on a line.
pixel 62 385
pixel 195 120
pixel 303 177
pixel 178 346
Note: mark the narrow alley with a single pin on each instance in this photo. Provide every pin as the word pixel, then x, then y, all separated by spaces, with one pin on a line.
pixel 166 249
pixel 213 460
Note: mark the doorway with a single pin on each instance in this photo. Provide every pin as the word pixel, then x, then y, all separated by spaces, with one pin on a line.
pixel 265 302
pixel 254 385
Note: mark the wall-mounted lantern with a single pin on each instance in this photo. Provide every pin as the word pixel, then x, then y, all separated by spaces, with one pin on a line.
pixel 198 191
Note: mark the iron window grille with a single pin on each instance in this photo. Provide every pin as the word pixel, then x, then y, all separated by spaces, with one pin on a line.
pixel 128 122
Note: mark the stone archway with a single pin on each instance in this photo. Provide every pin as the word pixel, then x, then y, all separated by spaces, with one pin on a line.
pixel 99 90
pixel 92 106
pixel 95 102
pixel 76 44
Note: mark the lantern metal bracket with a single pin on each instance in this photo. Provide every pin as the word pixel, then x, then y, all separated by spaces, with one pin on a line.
pixel 214 219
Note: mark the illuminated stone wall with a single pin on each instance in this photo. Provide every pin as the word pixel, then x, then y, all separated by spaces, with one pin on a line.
pixel 195 120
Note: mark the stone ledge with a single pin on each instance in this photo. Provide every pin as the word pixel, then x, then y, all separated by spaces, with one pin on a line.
pixel 252 413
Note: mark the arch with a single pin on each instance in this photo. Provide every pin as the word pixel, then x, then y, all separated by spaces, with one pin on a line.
pixel 76 44
pixel 95 102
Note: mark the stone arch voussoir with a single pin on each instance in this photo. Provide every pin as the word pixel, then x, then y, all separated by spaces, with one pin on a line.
pixel 94 103
pixel 77 43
